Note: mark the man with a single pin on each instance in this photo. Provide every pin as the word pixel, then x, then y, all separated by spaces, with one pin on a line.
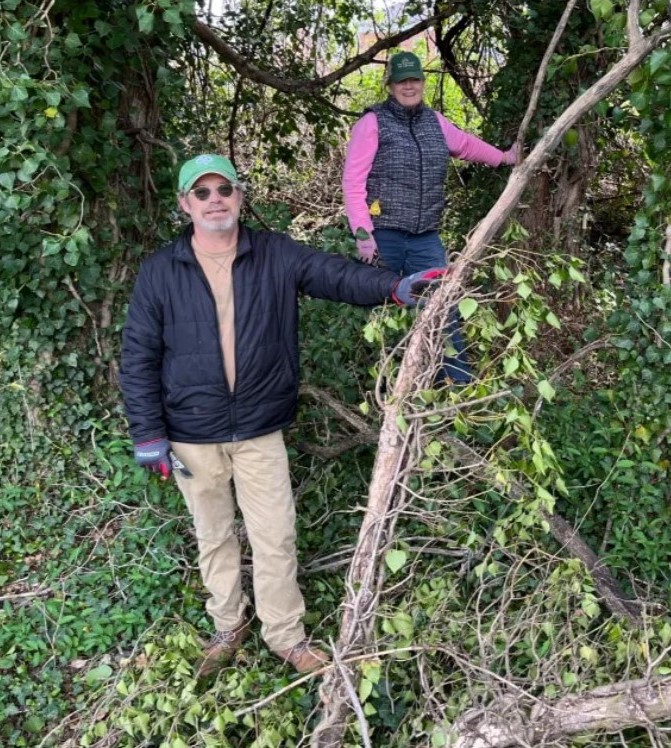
pixel 210 378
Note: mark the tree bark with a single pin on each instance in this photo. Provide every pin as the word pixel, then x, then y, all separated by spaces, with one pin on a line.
pixel 607 709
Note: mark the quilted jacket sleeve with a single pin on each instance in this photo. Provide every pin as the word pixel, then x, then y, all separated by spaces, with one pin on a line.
pixel 336 278
pixel 141 360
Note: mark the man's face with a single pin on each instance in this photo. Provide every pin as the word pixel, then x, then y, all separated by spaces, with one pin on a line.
pixel 409 92
pixel 214 213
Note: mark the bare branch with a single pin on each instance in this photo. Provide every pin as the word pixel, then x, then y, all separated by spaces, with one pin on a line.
pixel 447 55
pixel 596 345
pixel 542 70
pixel 345 413
pixel 272 79
pixel 340 447
pixel 354 700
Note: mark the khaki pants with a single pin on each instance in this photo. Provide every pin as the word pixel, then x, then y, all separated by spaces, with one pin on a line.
pixel 259 469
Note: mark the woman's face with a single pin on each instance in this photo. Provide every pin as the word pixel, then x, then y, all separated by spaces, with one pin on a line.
pixel 408 92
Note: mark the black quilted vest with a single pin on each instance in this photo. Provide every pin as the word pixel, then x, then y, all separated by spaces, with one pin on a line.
pixel 408 174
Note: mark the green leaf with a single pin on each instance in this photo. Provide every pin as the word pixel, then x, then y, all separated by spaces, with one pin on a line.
pixel 53 98
pixel 402 623
pixel 511 365
pixel 646 18
pixel 80 96
pixel 546 390
pixel 33 724
pixel 434 448
pixel 555 279
pixel 7 180
pixel 72 41
pixel 145 19
pixel 102 672
pixel 172 16
pixel 576 275
pixel 395 559
pixel 467 307
pixel 658 58
pixel 19 93
pixel 551 319
pixel 602 9
pixel 122 688
pixel 524 290
pixel 365 689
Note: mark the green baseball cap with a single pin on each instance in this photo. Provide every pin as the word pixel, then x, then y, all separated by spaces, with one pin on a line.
pixel 207 163
pixel 404 65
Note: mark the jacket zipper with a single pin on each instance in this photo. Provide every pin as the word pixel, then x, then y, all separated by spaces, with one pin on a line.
pixel 421 177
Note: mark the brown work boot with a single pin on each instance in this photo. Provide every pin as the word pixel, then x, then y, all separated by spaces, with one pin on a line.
pixel 221 648
pixel 304 657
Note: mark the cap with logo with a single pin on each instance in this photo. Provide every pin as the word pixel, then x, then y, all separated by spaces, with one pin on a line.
pixel 404 65
pixel 208 163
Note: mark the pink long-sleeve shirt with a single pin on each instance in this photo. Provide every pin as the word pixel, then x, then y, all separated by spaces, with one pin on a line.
pixel 361 152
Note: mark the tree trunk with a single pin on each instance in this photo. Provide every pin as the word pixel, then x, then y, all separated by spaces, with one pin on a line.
pixel 607 709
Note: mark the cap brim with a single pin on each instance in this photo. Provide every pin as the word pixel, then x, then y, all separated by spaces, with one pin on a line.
pixel 405 76
pixel 188 185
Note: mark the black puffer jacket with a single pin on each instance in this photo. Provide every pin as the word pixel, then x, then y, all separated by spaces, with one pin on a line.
pixel 172 372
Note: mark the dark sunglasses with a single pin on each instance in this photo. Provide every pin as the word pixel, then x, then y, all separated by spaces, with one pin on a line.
pixel 225 189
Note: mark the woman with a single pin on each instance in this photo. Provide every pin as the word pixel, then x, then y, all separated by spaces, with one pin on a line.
pixel 395 170
pixel 394 183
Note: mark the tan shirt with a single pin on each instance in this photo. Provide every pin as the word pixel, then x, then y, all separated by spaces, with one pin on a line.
pixel 217 268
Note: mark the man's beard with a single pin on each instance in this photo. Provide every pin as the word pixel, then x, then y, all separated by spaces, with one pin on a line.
pixel 220 224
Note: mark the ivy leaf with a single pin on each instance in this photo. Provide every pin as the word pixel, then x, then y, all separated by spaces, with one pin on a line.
pixel 102 672
pixel 657 59
pixel 395 560
pixel 7 180
pixel 172 16
pixel 145 19
pixel 467 307
pixel 576 275
pixel 511 365
pixel 72 41
pixel 81 98
pixel 546 390
pixel 555 279
pixel 365 689
pixel 551 319
pixel 53 98
pixel 524 290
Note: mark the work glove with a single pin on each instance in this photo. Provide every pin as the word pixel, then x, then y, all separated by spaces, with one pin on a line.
pixel 366 247
pixel 155 456
pixel 510 156
pixel 408 290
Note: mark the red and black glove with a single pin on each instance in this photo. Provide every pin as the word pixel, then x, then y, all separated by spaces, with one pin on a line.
pixel 409 290
pixel 155 456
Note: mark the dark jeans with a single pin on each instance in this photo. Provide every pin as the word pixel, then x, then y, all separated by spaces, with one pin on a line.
pixel 406 253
